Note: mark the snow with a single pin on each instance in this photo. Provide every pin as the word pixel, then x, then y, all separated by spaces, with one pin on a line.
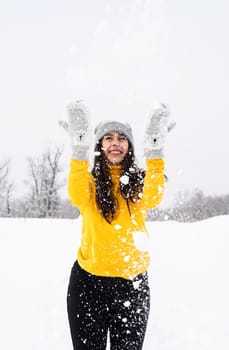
pixel 126 258
pixel 117 227
pixel 141 240
pixel 188 277
pixel 136 285
pixel 127 303
pixel 97 153
pixel 124 179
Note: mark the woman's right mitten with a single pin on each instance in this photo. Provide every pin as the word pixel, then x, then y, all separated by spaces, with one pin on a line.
pixel 157 128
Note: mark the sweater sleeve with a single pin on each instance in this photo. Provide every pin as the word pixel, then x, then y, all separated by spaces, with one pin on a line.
pixel 79 183
pixel 154 183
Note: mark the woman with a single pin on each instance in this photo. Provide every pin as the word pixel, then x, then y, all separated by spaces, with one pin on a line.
pixel 108 288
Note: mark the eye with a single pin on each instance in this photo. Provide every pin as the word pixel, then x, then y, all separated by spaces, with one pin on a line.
pixel 122 138
pixel 107 138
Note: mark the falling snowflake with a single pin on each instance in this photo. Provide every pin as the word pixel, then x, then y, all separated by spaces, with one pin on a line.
pixel 136 284
pixel 127 303
pixel 97 153
pixel 117 227
pixel 160 189
pixel 124 179
pixel 126 258
pixel 134 222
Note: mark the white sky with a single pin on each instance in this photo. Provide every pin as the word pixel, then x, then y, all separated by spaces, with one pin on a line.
pixel 119 56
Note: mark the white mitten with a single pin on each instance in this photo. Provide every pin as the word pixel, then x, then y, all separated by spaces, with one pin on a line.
pixel 157 127
pixel 78 128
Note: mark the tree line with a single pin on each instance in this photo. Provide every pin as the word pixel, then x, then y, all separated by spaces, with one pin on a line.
pixel 44 182
pixel 192 206
pixel 43 200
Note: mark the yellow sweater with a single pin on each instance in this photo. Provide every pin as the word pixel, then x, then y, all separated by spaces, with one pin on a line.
pixel 109 249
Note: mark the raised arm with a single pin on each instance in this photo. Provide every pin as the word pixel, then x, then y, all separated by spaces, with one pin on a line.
pixel 154 183
pixel 156 130
pixel 79 183
pixel 78 129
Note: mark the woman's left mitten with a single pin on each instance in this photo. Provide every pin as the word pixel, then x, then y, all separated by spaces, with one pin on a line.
pixel 78 128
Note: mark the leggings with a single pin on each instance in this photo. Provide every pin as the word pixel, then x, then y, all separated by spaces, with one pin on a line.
pixel 98 304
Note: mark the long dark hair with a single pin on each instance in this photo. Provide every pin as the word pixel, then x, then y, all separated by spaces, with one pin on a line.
pixel 131 190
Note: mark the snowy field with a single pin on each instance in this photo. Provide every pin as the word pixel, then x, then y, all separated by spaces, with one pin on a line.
pixel 189 281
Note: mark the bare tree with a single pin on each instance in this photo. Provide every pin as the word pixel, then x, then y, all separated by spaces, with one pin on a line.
pixel 43 199
pixel 5 189
pixel 8 199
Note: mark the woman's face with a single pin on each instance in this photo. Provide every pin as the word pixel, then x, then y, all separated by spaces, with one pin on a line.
pixel 115 147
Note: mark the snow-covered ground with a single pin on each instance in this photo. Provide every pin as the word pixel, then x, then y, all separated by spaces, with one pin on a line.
pixel 189 281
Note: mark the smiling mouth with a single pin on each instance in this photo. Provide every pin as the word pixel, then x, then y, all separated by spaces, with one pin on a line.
pixel 116 152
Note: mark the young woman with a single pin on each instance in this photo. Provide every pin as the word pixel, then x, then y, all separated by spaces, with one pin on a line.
pixel 108 288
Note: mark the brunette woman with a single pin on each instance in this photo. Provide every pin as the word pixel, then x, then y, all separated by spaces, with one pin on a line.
pixel 108 288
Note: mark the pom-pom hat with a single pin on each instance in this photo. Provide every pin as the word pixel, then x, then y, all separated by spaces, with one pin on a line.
pixel 106 127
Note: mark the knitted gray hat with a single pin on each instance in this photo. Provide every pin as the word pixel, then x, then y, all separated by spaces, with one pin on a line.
pixel 105 127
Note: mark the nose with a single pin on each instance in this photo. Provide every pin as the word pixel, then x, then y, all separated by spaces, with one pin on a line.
pixel 115 142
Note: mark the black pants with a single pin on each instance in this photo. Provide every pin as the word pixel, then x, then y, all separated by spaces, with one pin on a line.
pixel 96 304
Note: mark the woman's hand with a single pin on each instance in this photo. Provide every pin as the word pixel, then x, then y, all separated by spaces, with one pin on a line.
pixel 78 129
pixel 157 128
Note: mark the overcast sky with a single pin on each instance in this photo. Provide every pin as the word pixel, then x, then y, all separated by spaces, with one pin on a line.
pixel 120 57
